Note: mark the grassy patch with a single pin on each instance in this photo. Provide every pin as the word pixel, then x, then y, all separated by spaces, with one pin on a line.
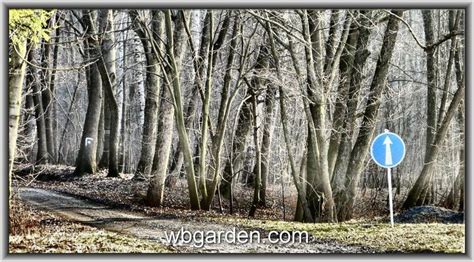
pixel 33 231
pixel 413 238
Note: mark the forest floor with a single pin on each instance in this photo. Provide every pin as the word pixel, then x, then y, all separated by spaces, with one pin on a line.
pixel 58 213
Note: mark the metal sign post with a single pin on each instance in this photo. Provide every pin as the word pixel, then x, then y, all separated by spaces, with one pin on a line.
pixel 387 151
pixel 390 202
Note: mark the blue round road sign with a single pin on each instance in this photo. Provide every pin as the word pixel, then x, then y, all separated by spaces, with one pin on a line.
pixel 387 150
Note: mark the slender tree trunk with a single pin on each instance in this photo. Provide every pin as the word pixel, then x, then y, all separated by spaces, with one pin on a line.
pixel 179 114
pixel 16 76
pixel 267 141
pixel 258 162
pixel 207 55
pixel 191 110
pixel 340 112
pixel 123 136
pixel 449 67
pixel 155 195
pixel 100 135
pixel 103 145
pixel 152 100
pixel 33 79
pixel 235 163
pixel 431 77
pixel 47 93
pixel 52 85
pixel 462 156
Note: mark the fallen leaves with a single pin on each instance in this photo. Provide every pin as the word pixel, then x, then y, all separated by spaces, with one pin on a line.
pixel 34 231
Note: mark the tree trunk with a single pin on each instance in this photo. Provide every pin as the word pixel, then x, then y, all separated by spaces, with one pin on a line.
pixel 361 147
pixel 340 112
pixel 317 117
pixel 16 76
pixel 152 100
pixel 124 127
pixel 174 53
pixel 223 114
pixel 431 77
pixel 47 93
pixel 103 144
pixel 258 162
pixel 356 80
pixel 33 79
pixel 51 88
pixel 86 158
pixel 100 135
pixel 105 51
pixel 462 156
pixel 235 163
pixel 206 55
pixel 155 195
pixel 267 141
pixel 418 193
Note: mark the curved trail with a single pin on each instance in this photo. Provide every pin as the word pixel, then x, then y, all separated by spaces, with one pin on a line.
pixel 154 228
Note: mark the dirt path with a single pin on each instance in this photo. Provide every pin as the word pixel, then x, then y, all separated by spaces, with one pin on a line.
pixel 155 228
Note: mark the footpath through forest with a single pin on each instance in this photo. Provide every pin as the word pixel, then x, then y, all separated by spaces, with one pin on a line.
pixel 156 228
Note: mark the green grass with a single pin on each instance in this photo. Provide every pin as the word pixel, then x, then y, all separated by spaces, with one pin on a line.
pixel 412 238
pixel 90 240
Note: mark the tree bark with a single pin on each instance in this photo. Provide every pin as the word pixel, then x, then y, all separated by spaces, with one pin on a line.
pixel 267 141
pixel 33 79
pixel 16 76
pixel 207 55
pixel 258 161
pixel 155 195
pixel 340 112
pixel 361 147
pixel 174 53
pixel 86 158
pixel 153 89
pixel 235 163
pixel 47 93
pixel 317 118
pixel 417 194
pixel 355 86
pixel 431 77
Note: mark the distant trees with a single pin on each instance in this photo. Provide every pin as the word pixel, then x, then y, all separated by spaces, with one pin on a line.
pixel 422 191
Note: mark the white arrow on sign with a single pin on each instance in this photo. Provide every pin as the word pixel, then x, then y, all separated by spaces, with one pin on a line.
pixel 388 153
